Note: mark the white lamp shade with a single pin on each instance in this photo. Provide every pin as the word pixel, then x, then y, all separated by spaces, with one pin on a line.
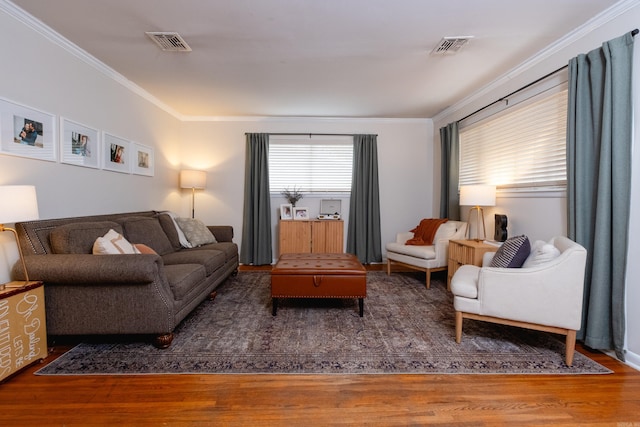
pixel 478 195
pixel 193 179
pixel 18 203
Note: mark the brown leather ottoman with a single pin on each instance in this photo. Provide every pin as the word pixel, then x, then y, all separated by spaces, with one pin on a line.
pixel 318 276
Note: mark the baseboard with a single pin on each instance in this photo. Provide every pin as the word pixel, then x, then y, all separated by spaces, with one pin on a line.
pixel 632 359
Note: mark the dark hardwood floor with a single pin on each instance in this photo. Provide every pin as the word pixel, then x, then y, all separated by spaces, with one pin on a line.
pixel 309 400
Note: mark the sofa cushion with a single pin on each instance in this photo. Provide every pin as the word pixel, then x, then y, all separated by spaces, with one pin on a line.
pixel 147 231
pixel 513 252
pixel 113 243
pixel 170 229
pixel 79 237
pixel 211 260
pixel 196 232
pixel 422 252
pixel 229 249
pixel 183 278
pixel 541 252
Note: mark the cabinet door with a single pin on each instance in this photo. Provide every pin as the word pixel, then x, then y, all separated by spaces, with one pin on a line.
pixel 295 237
pixel 328 236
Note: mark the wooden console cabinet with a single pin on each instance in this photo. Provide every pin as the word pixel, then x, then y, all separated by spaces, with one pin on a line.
pixel 312 236
pixel 463 252
pixel 23 334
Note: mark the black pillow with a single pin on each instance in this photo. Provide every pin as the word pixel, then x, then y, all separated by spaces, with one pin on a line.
pixel 513 253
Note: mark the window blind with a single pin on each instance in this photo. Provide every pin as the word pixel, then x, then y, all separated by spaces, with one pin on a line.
pixel 523 146
pixel 314 166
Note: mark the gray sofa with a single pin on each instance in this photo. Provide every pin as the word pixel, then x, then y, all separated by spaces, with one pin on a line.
pixel 147 294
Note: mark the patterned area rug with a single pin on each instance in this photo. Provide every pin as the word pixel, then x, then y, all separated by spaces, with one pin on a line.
pixel 405 329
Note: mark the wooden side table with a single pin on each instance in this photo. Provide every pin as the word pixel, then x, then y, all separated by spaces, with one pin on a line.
pixel 463 252
pixel 23 333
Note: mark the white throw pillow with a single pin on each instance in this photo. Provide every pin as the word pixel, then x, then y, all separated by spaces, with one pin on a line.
pixel 196 232
pixel 113 243
pixel 184 242
pixel 541 252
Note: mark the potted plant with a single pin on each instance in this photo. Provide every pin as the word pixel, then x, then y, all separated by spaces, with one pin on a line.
pixel 292 196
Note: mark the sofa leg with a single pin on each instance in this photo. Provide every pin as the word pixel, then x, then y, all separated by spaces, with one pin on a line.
pixel 163 341
pixel 458 326
pixel 213 295
pixel 570 344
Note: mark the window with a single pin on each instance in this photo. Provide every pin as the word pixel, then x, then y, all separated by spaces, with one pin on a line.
pixel 524 146
pixel 314 165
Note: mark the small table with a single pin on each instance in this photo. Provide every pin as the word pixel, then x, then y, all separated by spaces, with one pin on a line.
pixel 463 252
pixel 318 275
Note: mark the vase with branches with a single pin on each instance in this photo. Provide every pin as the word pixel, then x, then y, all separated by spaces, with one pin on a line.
pixel 292 196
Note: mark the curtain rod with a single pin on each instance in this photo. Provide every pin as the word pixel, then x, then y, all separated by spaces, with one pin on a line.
pixel 633 34
pixel 309 134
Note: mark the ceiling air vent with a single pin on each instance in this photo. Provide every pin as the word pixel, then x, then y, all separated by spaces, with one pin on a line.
pixel 450 45
pixel 169 41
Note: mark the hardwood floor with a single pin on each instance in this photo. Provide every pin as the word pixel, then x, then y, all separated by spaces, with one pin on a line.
pixel 309 400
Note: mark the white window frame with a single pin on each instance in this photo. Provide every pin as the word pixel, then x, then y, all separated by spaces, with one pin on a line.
pixel 314 164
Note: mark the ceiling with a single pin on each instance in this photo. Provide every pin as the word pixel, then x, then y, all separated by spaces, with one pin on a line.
pixel 317 58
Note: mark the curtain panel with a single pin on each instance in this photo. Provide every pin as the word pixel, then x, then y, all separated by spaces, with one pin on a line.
pixel 449 171
pixel 256 224
pixel 599 146
pixel 363 235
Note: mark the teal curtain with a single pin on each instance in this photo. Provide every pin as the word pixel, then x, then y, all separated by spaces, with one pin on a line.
pixel 363 234
pixel 450 166
pixel 256 225
pixel 599 142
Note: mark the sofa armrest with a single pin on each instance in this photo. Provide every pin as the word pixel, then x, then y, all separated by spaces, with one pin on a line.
pixel 222 233
pixel 92 269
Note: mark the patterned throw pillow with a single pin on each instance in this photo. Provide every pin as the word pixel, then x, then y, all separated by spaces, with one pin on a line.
pixel 196 232
pixel 513 253
pixel 113 243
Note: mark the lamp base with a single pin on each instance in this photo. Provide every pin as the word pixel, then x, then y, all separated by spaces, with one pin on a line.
pixel 479 215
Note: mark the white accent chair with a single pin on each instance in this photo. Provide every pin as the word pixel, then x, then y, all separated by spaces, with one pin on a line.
pixel 546 297
pixel 425 258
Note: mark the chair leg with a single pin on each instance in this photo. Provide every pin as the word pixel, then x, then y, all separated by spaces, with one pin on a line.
pixel 570 344
pixel 458 326
pixel 428 273
pixel 388 267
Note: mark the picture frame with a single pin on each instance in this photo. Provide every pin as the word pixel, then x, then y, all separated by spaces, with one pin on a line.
pixel 116 153
pixel 286 211
pixel 300 213
pixel 79 144
pixel 27 132
pixel 142 160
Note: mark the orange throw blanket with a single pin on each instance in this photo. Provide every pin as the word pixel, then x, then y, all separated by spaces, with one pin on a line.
pixel 424 233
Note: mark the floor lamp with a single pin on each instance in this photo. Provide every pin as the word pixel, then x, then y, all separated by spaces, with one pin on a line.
pixel 19 203
pixel 193 179
pixel 477 196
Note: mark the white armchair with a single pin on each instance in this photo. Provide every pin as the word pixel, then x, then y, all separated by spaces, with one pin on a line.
pixel 425 258
pixel 546 297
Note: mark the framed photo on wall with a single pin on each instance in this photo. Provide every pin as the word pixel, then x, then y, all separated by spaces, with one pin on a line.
pixel 286 211
pixel 27 132
pixel 116 153
pixel 300 213
pixel 142 159
pixel 79 144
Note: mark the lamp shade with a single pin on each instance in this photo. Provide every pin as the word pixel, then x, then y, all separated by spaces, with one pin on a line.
pixel 193 179
pixel 18 203
pixel 478 195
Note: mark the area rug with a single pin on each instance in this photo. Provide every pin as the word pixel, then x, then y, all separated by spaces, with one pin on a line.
pixel 406 329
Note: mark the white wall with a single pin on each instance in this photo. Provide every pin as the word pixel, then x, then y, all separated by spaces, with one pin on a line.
pixel 542 217
pixel 405 153
pixel 44 76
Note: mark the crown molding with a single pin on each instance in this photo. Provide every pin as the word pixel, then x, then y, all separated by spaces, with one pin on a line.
pixel 571 37
pixel 305 119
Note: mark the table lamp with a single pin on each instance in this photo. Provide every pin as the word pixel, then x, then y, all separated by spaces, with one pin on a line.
pixel 193 179
pixel 477 196
pixel 19 203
